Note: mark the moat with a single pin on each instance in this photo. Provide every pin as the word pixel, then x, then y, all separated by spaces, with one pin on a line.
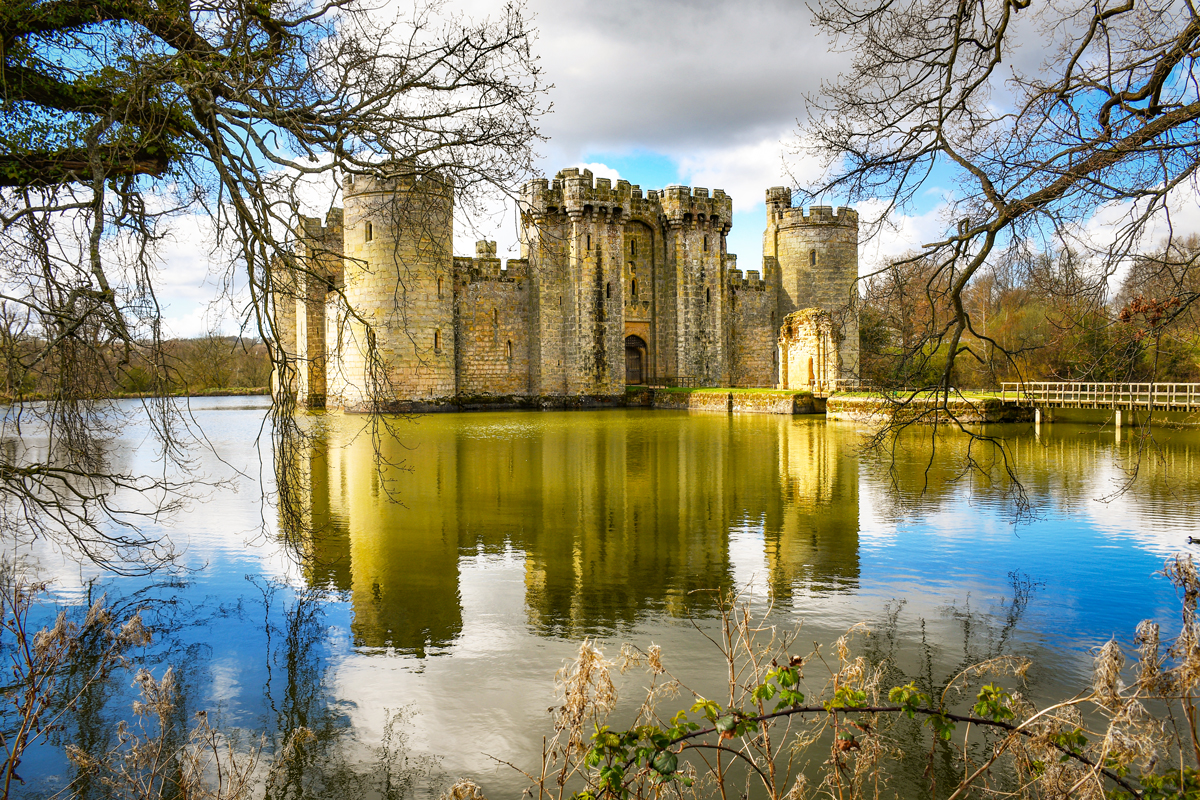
pixel 455 581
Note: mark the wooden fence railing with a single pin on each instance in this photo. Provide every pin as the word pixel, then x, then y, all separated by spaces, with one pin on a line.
pixel 1071 394
pixel 671 382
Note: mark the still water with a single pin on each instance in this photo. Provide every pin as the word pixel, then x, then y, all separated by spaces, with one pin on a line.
pixel 457 560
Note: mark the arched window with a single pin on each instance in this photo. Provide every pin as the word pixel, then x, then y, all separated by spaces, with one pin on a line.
pixel 369 232
pixel 437 340
pixel 589 242
pixel 812 258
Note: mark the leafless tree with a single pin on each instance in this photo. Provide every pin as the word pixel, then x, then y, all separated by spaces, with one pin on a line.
pixel 1039 119
pixel 122 118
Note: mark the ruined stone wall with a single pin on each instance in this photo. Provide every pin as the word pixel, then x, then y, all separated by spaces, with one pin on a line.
pixel 752 328
pixel 817 254
pixel 491 328
pixel 399 282
pixel 808 351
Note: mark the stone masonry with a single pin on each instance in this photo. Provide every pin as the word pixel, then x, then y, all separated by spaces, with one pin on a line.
pixel 614 287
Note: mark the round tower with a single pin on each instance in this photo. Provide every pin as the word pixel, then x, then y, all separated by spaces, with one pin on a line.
pixel 395 342
pixel 816 255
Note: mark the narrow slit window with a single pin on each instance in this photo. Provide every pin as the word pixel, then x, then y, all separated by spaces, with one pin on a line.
pixel 708 295
pixel 496 317
pixel 812 258
pixel 633 288
pixel 589 242
pixel 508 350
pixel 439 286
pixel 706 244
pixel 437 340
pixel 608 289
pixel 369 232
pixel 633 247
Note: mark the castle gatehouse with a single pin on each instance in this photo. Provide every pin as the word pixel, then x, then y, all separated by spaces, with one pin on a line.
pixel 615 286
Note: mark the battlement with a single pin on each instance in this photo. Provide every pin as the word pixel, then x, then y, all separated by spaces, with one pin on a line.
pixel 575 190
pixel 485 266
pixel 397 177
pixel 780 211
pixel 779 196
pixel 322 242
pixel 751 280
pixel 682 205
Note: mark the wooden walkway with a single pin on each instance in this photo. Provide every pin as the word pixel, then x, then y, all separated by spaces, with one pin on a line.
pixel 1118 396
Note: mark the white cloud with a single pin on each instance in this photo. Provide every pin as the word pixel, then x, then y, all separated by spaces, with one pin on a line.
pixel 744 171
pixel 600 171
pixel 898 234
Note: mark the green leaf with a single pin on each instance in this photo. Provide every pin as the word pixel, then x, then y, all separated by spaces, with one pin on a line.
pixel 908 697
pixel 665 763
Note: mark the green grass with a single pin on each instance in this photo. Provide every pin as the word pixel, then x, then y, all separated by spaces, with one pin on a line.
pixel 923 395
pixel 720 390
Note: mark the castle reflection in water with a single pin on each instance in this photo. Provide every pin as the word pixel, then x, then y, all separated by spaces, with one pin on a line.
pixel 614 514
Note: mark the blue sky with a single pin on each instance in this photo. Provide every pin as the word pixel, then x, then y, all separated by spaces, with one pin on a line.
pixel 700 93
pixel 694 92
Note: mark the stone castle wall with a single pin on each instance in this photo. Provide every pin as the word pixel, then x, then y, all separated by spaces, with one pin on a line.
pixel 614 286
pixel 752 328
pixel 492 332
pixel 398 279
pixel 817 257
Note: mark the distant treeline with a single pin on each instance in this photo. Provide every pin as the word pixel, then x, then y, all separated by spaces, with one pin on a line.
pixel 210 364
pixel 1036 316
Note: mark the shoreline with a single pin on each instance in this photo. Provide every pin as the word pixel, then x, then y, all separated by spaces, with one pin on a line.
pixel 239 391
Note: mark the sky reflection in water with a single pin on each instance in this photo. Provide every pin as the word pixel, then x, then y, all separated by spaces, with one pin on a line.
pixel 458 586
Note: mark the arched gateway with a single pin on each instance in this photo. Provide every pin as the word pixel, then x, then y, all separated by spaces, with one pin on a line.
pixel 635 360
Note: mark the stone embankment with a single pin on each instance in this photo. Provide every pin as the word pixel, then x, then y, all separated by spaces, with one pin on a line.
pixel 730 401
pixel 875 409
pixel 872 409
pixel 726 401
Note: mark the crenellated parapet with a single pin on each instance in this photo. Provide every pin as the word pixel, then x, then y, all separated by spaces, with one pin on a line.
pixel 752 280
pixel 781 214
pixel 693 207
pixel 576 192
pixel 485 266
pixel 319 248
pixel 402 177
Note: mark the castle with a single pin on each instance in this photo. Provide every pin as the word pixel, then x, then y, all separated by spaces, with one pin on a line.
pixel 614 287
